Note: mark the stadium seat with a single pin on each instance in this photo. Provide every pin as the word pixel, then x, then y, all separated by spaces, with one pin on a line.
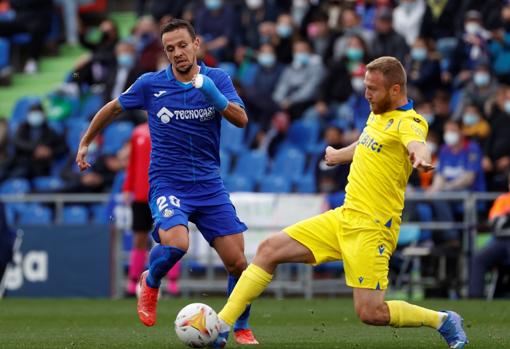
pixel 303 135
pixel 275 184
pixel 335 199
pixel 232 138
pixel 225 163
pixel 237 183
pixel 288 162
pixel 75 215
pixel 15 186
pixel 306 184
pixel 36 214
pixel 19 112
pixel 251 164
pixel 5 50
pixel 74 134
pixel 90 105
pixel 115 135
pixel 47 183
pixel 99 214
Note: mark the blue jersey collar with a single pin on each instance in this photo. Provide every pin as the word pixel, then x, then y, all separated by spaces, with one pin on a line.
pixel 170 73
pixel 408 106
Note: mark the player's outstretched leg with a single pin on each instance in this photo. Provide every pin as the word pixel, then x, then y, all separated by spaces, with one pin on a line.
pixel 161 259
pixel 242 331
pixel 452 330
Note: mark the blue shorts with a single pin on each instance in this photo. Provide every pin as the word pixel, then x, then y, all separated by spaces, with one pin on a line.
pixel 170 207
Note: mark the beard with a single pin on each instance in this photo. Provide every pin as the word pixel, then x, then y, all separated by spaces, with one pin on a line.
pixel 383 106
pixel 184 70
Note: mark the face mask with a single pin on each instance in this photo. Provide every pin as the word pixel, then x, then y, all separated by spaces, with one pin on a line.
pixel 451 137
pixel 357 84
pixel 213 4
pixel 354 54
pixel 469 119
pixel 126 60
pixel 432 147
pixel 266 59
pixel 428 117
pixel 481 79
pixel 408 6
pixel 283 30
pixel 35 118
pixel 419 54
pixel 312 30
pixel 507 107
pixel 472 28
pixel 254 4
pixel 301 58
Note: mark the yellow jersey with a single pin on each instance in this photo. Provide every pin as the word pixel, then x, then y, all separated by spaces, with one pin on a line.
pixel 381 167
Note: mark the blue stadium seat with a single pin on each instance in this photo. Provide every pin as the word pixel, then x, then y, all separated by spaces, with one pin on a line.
pixel 15 186
pixel 99 214
pixel 304 135
pixel 20 110
pixel 21 38
pixel 232 138
pixel 275 184
pixel 336 199
pixel 225 163
pixel 74 133
pixel 36 214
pixel 288 162
pixel 236 183
pixel 90 105
pixel 409 234
pixel 75 215
pixel 115 135
pixel 306 184
pixel 251 164
pixel 5 51
pixel 47 183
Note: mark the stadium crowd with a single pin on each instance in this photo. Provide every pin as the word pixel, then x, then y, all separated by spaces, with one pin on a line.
pixel 299 67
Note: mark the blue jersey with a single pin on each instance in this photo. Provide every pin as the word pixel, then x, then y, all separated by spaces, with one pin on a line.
pixel 184 127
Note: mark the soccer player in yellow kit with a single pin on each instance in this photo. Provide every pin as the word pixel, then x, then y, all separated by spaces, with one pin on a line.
pixel 364 231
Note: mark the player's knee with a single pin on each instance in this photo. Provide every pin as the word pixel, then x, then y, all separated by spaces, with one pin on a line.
pixel 370 315
pixel 267 250
pixel 236 267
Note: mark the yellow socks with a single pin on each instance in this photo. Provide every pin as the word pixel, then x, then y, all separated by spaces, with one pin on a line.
pixel 403 314
pixel 251 284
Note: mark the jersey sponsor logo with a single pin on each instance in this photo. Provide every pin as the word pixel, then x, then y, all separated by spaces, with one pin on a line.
pixel 202 114
pixel 370 143
pixel 159 93
pixel 417 120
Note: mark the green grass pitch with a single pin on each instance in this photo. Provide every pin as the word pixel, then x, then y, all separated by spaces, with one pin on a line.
pixel 290 323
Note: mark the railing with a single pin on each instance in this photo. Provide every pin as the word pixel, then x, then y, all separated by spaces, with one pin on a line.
pixel 304 284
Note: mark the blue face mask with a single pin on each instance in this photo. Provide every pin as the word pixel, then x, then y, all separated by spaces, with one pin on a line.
pixel 428 117
pixel 481 79
pixel 301 58
pixel 35 118
pixel 284 30
pixel 126 60
pixel 469 119
pixel 507 107
pixel 213 4
pixel 354 54
pixel 419 54
pixel 266 59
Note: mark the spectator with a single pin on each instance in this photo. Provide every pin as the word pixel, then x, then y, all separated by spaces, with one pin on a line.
pixel 160 9
pixel 423 73
pixel 215 22
pixel 499 47
pixel 147 43
pixel 32 17
pixel 387 42
pixel 496 162
pixel 255 13
pixel 497 252
pixel 459 169
pixel 285 32
pixel 441 111
pixel 407 19
pixel 358 107
pixel 331 179
pixel 36 147
pixel 351 26
pixel 104 50
pixel 320 36
pixel 136 193
pixel 70 16
pixel 474 126
pixel 298 85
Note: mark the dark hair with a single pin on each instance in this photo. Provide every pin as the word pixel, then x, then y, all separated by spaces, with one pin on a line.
pixel 175 24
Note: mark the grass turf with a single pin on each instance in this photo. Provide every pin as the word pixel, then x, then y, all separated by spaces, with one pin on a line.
pixel 290 323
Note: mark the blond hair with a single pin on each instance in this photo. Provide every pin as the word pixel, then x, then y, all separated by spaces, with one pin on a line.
pixel 391 69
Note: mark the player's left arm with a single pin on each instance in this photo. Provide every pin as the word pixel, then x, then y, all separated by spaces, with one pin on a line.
pixel 232 111
pixel 420 157
pixel 412 133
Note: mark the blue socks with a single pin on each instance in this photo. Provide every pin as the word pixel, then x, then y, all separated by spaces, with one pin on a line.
pixel 242 321
pixel 161 260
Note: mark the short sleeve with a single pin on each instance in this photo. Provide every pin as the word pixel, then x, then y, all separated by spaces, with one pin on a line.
pixel 224 83
pixel 474 158
pixel 133 97
pixel 413 128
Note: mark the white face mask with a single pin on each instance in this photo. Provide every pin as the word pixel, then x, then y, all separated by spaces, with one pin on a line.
pixel 472 28
pixel 254 4
pixel 358 85
pixel 35 118
pixel 432 147
pixel 451 138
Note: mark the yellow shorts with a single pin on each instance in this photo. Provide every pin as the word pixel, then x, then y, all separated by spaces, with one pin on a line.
pixel 364 245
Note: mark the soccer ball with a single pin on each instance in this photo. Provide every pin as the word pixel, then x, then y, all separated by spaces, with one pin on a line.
pixel 197 325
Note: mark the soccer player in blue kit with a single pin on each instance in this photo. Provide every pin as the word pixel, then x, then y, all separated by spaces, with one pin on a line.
pixel 185 104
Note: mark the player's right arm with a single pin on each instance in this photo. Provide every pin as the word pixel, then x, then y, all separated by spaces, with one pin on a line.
pixel 340 156
pixel 102 118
